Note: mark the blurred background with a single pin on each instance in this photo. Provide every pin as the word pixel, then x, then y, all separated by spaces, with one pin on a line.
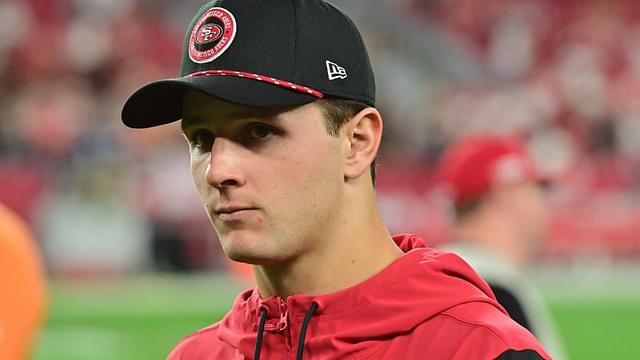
pixel 132 262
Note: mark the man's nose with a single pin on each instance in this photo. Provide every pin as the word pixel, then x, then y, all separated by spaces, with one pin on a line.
pixel 223 169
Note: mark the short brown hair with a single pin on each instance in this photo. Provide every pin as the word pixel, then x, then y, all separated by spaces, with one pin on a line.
pixel 468 207
pixel 337 112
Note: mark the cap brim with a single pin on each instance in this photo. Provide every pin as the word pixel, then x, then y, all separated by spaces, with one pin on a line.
pixel 160 102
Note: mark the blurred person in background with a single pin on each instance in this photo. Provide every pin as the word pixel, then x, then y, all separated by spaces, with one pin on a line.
pixel 23 294
pixel 283 149
pixel 500 223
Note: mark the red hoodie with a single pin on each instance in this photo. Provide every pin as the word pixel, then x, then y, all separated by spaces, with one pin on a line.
pixel 426 304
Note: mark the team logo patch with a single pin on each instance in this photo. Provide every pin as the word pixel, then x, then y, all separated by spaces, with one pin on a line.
pixel 208 33
pixel 211 35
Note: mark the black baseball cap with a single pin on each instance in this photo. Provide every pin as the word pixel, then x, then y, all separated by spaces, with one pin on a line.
pixel 261 53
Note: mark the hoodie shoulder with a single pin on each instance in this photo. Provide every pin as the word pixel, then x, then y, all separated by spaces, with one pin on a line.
pixel 202 344
pixel 461 317
pixel 490 329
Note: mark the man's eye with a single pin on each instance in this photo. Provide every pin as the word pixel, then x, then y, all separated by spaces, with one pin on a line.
pixel 202 139
pixel 260 131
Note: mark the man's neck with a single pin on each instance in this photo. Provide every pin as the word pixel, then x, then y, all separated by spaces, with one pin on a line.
pixel 353 253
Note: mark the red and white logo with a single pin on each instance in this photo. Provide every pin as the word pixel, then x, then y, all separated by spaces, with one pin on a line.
pixel 208 33
pixel 211 35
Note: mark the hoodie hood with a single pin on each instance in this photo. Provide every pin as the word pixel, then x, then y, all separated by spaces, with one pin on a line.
pixel 416 287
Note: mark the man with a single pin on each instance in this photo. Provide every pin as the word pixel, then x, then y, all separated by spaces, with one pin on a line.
pixel 500 223
pixel 277 104
pixel 22 288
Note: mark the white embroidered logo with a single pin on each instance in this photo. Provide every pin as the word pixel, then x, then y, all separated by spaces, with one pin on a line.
pixel 508 170
pixel 335 71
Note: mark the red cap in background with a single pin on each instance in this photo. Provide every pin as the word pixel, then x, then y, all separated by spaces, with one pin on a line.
pixel 476 164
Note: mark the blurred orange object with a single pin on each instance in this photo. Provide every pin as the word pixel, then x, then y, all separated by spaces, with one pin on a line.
pixel 22 288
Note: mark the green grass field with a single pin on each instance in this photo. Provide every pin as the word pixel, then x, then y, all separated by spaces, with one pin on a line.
pixel 599 329
pixel 142 318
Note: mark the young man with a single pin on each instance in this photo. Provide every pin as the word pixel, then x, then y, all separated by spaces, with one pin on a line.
pixel 277 103
pixel 501 223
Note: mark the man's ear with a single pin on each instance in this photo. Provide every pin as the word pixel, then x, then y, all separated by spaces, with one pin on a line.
pixel 362 134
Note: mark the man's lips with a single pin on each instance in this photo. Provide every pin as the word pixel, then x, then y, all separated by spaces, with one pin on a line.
pixel 234 213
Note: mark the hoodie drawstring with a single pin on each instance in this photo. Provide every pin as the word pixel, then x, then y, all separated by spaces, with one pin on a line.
pixel 303 329
pixel 263 320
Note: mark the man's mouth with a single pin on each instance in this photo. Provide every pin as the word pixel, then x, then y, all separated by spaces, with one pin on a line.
pixel 234 213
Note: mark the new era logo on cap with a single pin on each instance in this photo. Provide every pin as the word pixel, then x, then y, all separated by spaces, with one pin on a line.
pixel 335 71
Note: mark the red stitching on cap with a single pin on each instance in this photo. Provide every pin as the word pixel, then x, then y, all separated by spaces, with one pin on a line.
pixel 270 80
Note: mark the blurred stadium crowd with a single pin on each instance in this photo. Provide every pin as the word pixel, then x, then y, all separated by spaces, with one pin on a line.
pixel 564 74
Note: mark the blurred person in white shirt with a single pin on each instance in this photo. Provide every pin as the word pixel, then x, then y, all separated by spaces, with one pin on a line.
pixel 501 221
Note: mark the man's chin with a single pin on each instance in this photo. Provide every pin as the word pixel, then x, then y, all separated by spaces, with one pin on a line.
pixel 254 256
pixel 244 252
pixel 250 259
pixel 248 247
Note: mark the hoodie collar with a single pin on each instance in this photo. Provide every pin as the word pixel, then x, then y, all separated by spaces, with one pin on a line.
pixel 416 287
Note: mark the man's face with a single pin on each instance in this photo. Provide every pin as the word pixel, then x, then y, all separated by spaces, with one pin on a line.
pixel 270 180
pixel 529 204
